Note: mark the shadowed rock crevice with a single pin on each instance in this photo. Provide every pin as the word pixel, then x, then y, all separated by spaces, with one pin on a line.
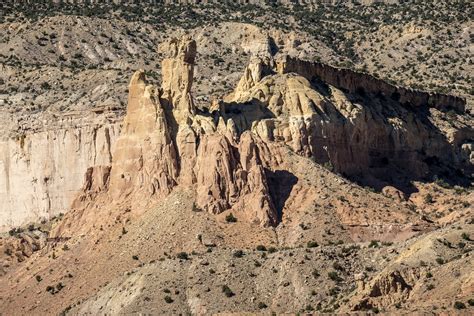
pixel 280 184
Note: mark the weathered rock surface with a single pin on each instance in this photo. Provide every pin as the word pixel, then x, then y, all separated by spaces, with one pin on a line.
pixel 41 174
pixel 145 157
pixel 233 178
pixel 177 74
pixel 351 131
pixel 165 141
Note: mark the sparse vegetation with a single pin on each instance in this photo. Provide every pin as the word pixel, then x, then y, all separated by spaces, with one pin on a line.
pixel 227 291
pixel 182 256
pixel 230 218
pixel 333 275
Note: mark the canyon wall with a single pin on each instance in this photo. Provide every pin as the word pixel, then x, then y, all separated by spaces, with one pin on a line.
pixel 41 174
pixel 362 83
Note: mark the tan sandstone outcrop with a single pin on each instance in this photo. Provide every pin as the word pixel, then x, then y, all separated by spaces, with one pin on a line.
pixel 233 178
pixel 42 173
pixel 331 125
pixel 315 110
pixel 164 144
pixel 177 73
pixel 145 157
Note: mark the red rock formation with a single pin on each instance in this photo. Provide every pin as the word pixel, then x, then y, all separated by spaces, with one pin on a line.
pixel 233 178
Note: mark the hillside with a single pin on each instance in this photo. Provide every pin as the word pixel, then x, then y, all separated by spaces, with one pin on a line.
pixel 232 159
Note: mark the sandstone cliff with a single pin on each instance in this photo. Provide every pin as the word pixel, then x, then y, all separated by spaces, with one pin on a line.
pixel 41 173
pixel 318 111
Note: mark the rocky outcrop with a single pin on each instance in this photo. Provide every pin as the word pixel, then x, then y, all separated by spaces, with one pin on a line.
pixel 163 144
pixel 317 111
pixel 353 82
pixel 41 173
pixel 356 134
pixel 228 179
pixel 177 73
pixel 23 244
pixel 145 157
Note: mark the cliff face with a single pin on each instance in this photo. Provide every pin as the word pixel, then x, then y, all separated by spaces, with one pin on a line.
pixel 331 121
pixel 229 155
pixel 163 144
pixel 353 82
pixel 40 174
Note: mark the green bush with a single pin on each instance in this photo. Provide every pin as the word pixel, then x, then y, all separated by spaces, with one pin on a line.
pixel 261 248
pixel 334 276
pixel 230 218
pixel 374 244
pixel 227 291
pixel 182 256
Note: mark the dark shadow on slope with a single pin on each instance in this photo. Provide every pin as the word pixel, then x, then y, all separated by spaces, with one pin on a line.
pixel 280 184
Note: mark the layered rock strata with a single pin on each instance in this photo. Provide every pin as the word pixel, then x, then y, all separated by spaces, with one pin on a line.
pixel 41 173
pixel 226 153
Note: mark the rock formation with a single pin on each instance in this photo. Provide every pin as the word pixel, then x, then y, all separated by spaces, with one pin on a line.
pixel 41 174
pixel 177 72
pixel 163 143
pixel 318 111
pixel 145 157
pixel 338 123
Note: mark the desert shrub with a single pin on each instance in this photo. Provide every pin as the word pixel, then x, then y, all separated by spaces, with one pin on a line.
pixel 459 305
pixel 328 165
pixel 374 244
pixel 262 305
pixel 312 244
pixel 334 276
pixel 337 266
pixel 227 291
pixel 238 254
pixel 182 256
pixel 168 299
pixel 261 248
pixel 428 198
pixel 230 218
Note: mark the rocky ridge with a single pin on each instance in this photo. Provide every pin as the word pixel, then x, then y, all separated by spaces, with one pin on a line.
pixel 153 230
